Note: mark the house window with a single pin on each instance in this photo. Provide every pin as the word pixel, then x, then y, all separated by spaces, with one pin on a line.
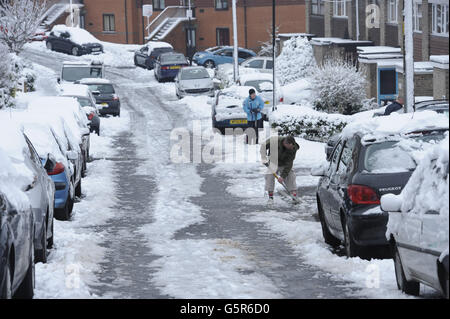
pixel 109 23
pixel 221 4
pixel 223 36
pixel 340 8
pixel 317 7
pixel 158 5
pixel 440 19
pixel 417 17
pixel 392 11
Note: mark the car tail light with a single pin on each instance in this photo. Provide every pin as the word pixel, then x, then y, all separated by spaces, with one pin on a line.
pixel 91 116
pixel 281 100
pixel 164 68
pixel 115 97
pixel 58 169
pixel 360 194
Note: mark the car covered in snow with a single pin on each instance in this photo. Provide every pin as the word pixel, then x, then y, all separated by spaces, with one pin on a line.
pixel 263 83
pixel 260 63
pixel 16 246
pixel 167 65
pixel 146 56
pixel 373 157
pixel 87 101
pixel 439 106
pixel 74 71
pixel 33 182
pixel 108 102
pixel 75 41
pixel 194 80
pixel 419 224
pixel 213 58
pixel 227 108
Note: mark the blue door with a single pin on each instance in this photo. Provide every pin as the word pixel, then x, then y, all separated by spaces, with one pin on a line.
pixel 387 85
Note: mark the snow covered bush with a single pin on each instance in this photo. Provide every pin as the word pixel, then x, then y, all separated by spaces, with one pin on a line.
pixel 339 87
pixel 295 61
pixel 307 123
pixel 7 77
pixel 19 20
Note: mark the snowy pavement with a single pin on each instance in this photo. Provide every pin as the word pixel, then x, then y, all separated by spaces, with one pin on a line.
pixel 151 228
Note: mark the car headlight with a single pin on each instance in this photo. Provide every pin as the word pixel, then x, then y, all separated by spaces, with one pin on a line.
pixel 200 56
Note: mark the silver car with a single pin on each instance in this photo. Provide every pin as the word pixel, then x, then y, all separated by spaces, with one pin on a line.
pixel 194 80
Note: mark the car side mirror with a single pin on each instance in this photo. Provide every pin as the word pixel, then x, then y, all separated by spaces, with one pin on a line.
pixel 58 80
pixel 49 163
pixel 391 203
pixel 246 66
pixel 320 170
pixel 72 155
pixel 96 92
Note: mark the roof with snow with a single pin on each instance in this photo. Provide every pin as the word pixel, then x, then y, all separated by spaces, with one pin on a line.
pixel 338 41
pixel 95 81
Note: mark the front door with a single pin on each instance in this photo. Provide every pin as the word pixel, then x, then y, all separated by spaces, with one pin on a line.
pixel 191 42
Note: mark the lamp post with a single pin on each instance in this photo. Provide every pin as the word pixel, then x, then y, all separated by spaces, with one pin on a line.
pixel 409 57
pixel 235 44
pixel 274 106
pixel 71 14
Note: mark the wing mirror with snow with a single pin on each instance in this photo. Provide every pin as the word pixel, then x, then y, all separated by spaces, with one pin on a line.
pixel 391 203
pixel 320 170
pixel 72 155
pixel 96 92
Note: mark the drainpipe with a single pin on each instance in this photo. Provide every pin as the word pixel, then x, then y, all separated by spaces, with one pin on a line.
pixel 245 24
pixel 126 22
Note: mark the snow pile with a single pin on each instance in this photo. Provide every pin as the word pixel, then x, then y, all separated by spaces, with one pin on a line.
pixel 15 175
pixel 296 60
pixel 339 87
pixel 305 122
pixel 298 92
pixel 396 124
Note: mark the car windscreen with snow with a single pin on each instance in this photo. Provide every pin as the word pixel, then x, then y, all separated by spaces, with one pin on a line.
pixel 398 156
pixel 194 74
pixel 260 85
pixel 72 74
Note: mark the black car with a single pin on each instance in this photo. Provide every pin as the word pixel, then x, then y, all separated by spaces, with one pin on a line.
pixel 147 55
pixel 349 191
pixel 74 41
pixel 16 251
pixel 105 95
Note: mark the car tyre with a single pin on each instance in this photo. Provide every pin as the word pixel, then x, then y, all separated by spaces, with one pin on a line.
pixel 75 51
pixel 351 248
pixel 26 288
pixel 49 46
pixel 6 290
pixel 327 236
pixel 210 64
pixel 408 287
pixel 41 254
pixel 50 240
pixel 135 62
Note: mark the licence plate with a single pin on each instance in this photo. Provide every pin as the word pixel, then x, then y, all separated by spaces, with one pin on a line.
pixel 96 49
pixel 175 67
pixel 238 122
pixel 267 102
pixel 105 104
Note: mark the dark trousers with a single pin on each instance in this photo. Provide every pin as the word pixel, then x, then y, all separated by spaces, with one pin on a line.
pixel 251 124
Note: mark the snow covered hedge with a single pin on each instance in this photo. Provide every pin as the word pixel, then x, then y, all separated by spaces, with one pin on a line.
pixel 338 87
pixel 307 123
pixel 296 60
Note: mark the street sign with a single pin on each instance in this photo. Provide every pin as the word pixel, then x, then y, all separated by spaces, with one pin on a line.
pixel 147 10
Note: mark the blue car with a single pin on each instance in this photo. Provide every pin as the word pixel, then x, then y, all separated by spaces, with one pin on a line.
pixel 220 55
pixel 167 65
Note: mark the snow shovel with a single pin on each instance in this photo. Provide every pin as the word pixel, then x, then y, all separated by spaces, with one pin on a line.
pixel 295 199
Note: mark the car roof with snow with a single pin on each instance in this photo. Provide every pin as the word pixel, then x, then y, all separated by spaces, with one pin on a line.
pixel 157 45
pixel 97 63
pixel 256 76
pixel 381 128
pixel 77 35
pixel 237 91
pixel 94 81
pixel 74 90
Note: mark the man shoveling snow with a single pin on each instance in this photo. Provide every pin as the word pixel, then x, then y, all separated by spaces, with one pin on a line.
pixel 278 154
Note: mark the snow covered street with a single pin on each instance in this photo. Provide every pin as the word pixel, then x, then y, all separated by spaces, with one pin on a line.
pixel 147 227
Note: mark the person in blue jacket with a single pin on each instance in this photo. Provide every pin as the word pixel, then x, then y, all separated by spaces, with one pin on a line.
pixel 253 106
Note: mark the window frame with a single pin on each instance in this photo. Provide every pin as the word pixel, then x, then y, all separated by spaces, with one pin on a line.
pixel 417 17
pixel 222 2
pixel 218 30
pixel 444 16
pixel 392 14
pixel 317 7
pixel 157 5
pixel 340 5
pixel 109 16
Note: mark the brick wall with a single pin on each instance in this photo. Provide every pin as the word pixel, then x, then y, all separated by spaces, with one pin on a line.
pixel 440 84
pixel 438 45
pixel 339 27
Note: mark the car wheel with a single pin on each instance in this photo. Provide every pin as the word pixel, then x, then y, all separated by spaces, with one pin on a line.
pixel 64 213
pixel 6 289
pixel 98 132
pixel 351 248
pixel 78 190
pixel 49 46
pixel 135 61
pixel 409 287
pixel 75 51
pixel 40 256
pixel 50 240
pixel 327 236
pixel 210 64
pixel 26 288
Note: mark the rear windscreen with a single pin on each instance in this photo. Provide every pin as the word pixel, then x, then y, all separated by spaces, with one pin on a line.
pixel 71 74
pixel 102 88
pixel 173 59
pixel 157 52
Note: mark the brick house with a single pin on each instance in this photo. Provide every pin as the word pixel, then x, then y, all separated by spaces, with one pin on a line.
pixel 382 24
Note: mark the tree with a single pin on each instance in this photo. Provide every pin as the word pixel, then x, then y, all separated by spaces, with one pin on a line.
pixel 267 46
pixel 7 76
pixel 19 20
pixel 339 87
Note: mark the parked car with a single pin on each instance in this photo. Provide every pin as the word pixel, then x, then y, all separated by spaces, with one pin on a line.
pixel 75 119
pixel 87 101
pixel 213 58
pixel 366 164
pixel 193 80
pixel 40 35
pixel 260 63
pixel 418 225
pixel 75 71
pixel 75 41
pixel 439 106
pixel 145 57
pixel 105 95
pixel 16 248
pixel 168 65
pixel 227 108
pixel 263 83
pixel 60 169
pixel 37 185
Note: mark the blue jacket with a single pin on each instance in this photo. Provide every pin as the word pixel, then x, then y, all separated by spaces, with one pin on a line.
pixel 250 105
